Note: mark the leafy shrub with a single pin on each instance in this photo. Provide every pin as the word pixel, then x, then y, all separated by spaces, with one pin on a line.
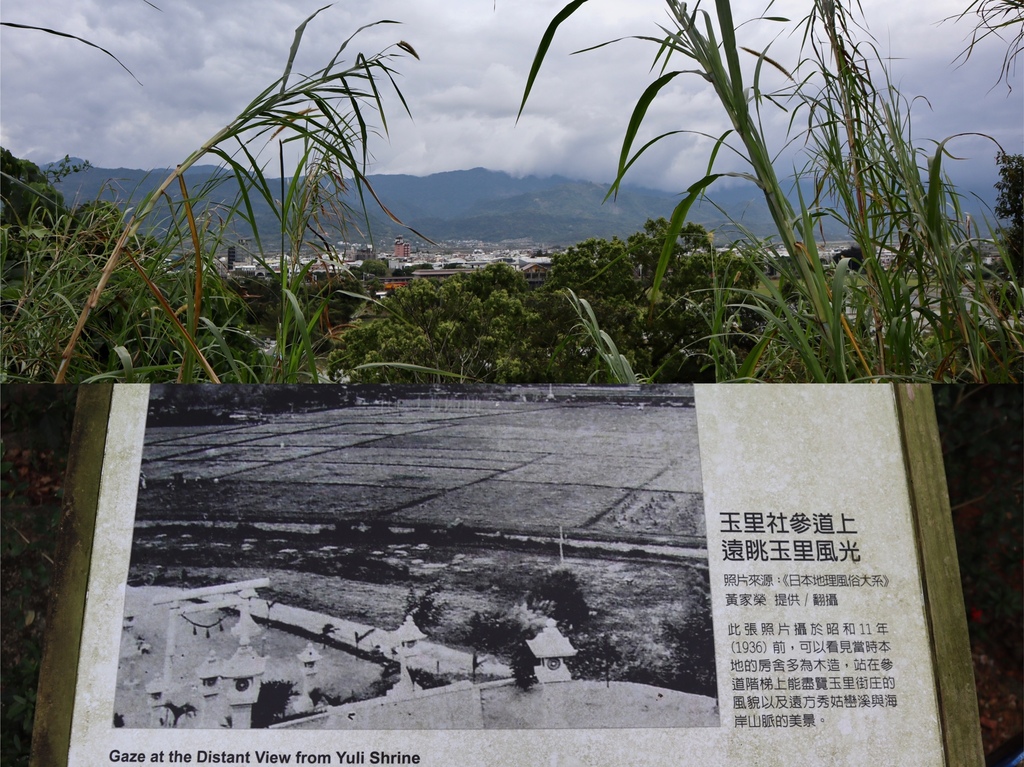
pixel 558 595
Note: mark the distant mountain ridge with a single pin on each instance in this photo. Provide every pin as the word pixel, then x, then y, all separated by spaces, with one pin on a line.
pixel 466 205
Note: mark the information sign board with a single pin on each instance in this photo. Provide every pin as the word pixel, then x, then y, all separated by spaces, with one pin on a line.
pixel 535 575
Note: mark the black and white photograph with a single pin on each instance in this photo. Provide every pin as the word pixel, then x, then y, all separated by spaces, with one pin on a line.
pixel 418 557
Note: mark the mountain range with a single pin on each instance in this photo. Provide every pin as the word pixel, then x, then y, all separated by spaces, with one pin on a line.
pixel 467 205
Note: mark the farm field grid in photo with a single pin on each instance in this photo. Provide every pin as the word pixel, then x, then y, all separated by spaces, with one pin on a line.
pixel 360 508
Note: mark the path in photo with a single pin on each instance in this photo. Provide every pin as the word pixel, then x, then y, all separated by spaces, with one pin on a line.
pixel 488 515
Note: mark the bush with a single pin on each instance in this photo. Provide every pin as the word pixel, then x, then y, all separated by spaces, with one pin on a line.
pixel 558 595
pixel 272 704
pixel 523 664
pixel 495 632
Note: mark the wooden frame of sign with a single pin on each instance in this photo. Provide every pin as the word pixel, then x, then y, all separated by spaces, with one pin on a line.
pixel 801 533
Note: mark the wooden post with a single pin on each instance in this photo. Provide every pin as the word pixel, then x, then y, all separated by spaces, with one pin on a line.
pixel 940 577
pixel 58 670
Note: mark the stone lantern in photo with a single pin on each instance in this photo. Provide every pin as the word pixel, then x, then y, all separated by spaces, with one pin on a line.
pixel 209 686
pixel 242 675
pixel 551 648
pixel 404 649
pixel 307 667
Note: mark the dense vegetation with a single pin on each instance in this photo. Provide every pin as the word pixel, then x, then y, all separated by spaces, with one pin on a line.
pixel 489 326
pixel 920 301
pixel 95 292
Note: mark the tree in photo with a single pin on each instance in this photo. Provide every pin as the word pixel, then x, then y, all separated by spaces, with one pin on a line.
pixel 699 288
pixel 427 608
pixel 523 664
pixel 558 595
pixel 690 640
pixel 495 632
pixel 596 658
pixel 272 703
pixel 595 269
pixel 23 189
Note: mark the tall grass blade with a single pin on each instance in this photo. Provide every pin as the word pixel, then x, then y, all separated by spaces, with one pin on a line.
pixel 542 49
pixel 70 37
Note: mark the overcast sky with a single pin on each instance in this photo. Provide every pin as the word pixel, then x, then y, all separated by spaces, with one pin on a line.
pixel 201 61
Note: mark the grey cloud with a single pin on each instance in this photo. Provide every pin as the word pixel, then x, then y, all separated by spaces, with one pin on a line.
pixel 203 61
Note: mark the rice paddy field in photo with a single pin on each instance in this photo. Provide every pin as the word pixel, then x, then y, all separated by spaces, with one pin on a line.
pixel 348 510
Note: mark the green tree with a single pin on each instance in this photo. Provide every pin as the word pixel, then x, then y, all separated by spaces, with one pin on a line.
pixel 471 325
pixel 372 267
pixel 1010 208
pixel 595 269
pixel 29 208
pixel 645 247
pixel 24 188
pixel 705 289
pixel 604 273
pixel 678 328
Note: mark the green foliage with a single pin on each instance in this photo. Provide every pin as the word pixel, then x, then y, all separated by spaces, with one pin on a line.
pixel 372 267
pixel 590 321
pixel 1010 208
pixel 936 313
pixel 135 308
pixel 595 268
pixel 699 290
pixel 1002 18
pixel 60 170
pixel 645 247
pixel 614 362
pixel 24 188
pixel 28 204
pixel 129 336
pixel 470 325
